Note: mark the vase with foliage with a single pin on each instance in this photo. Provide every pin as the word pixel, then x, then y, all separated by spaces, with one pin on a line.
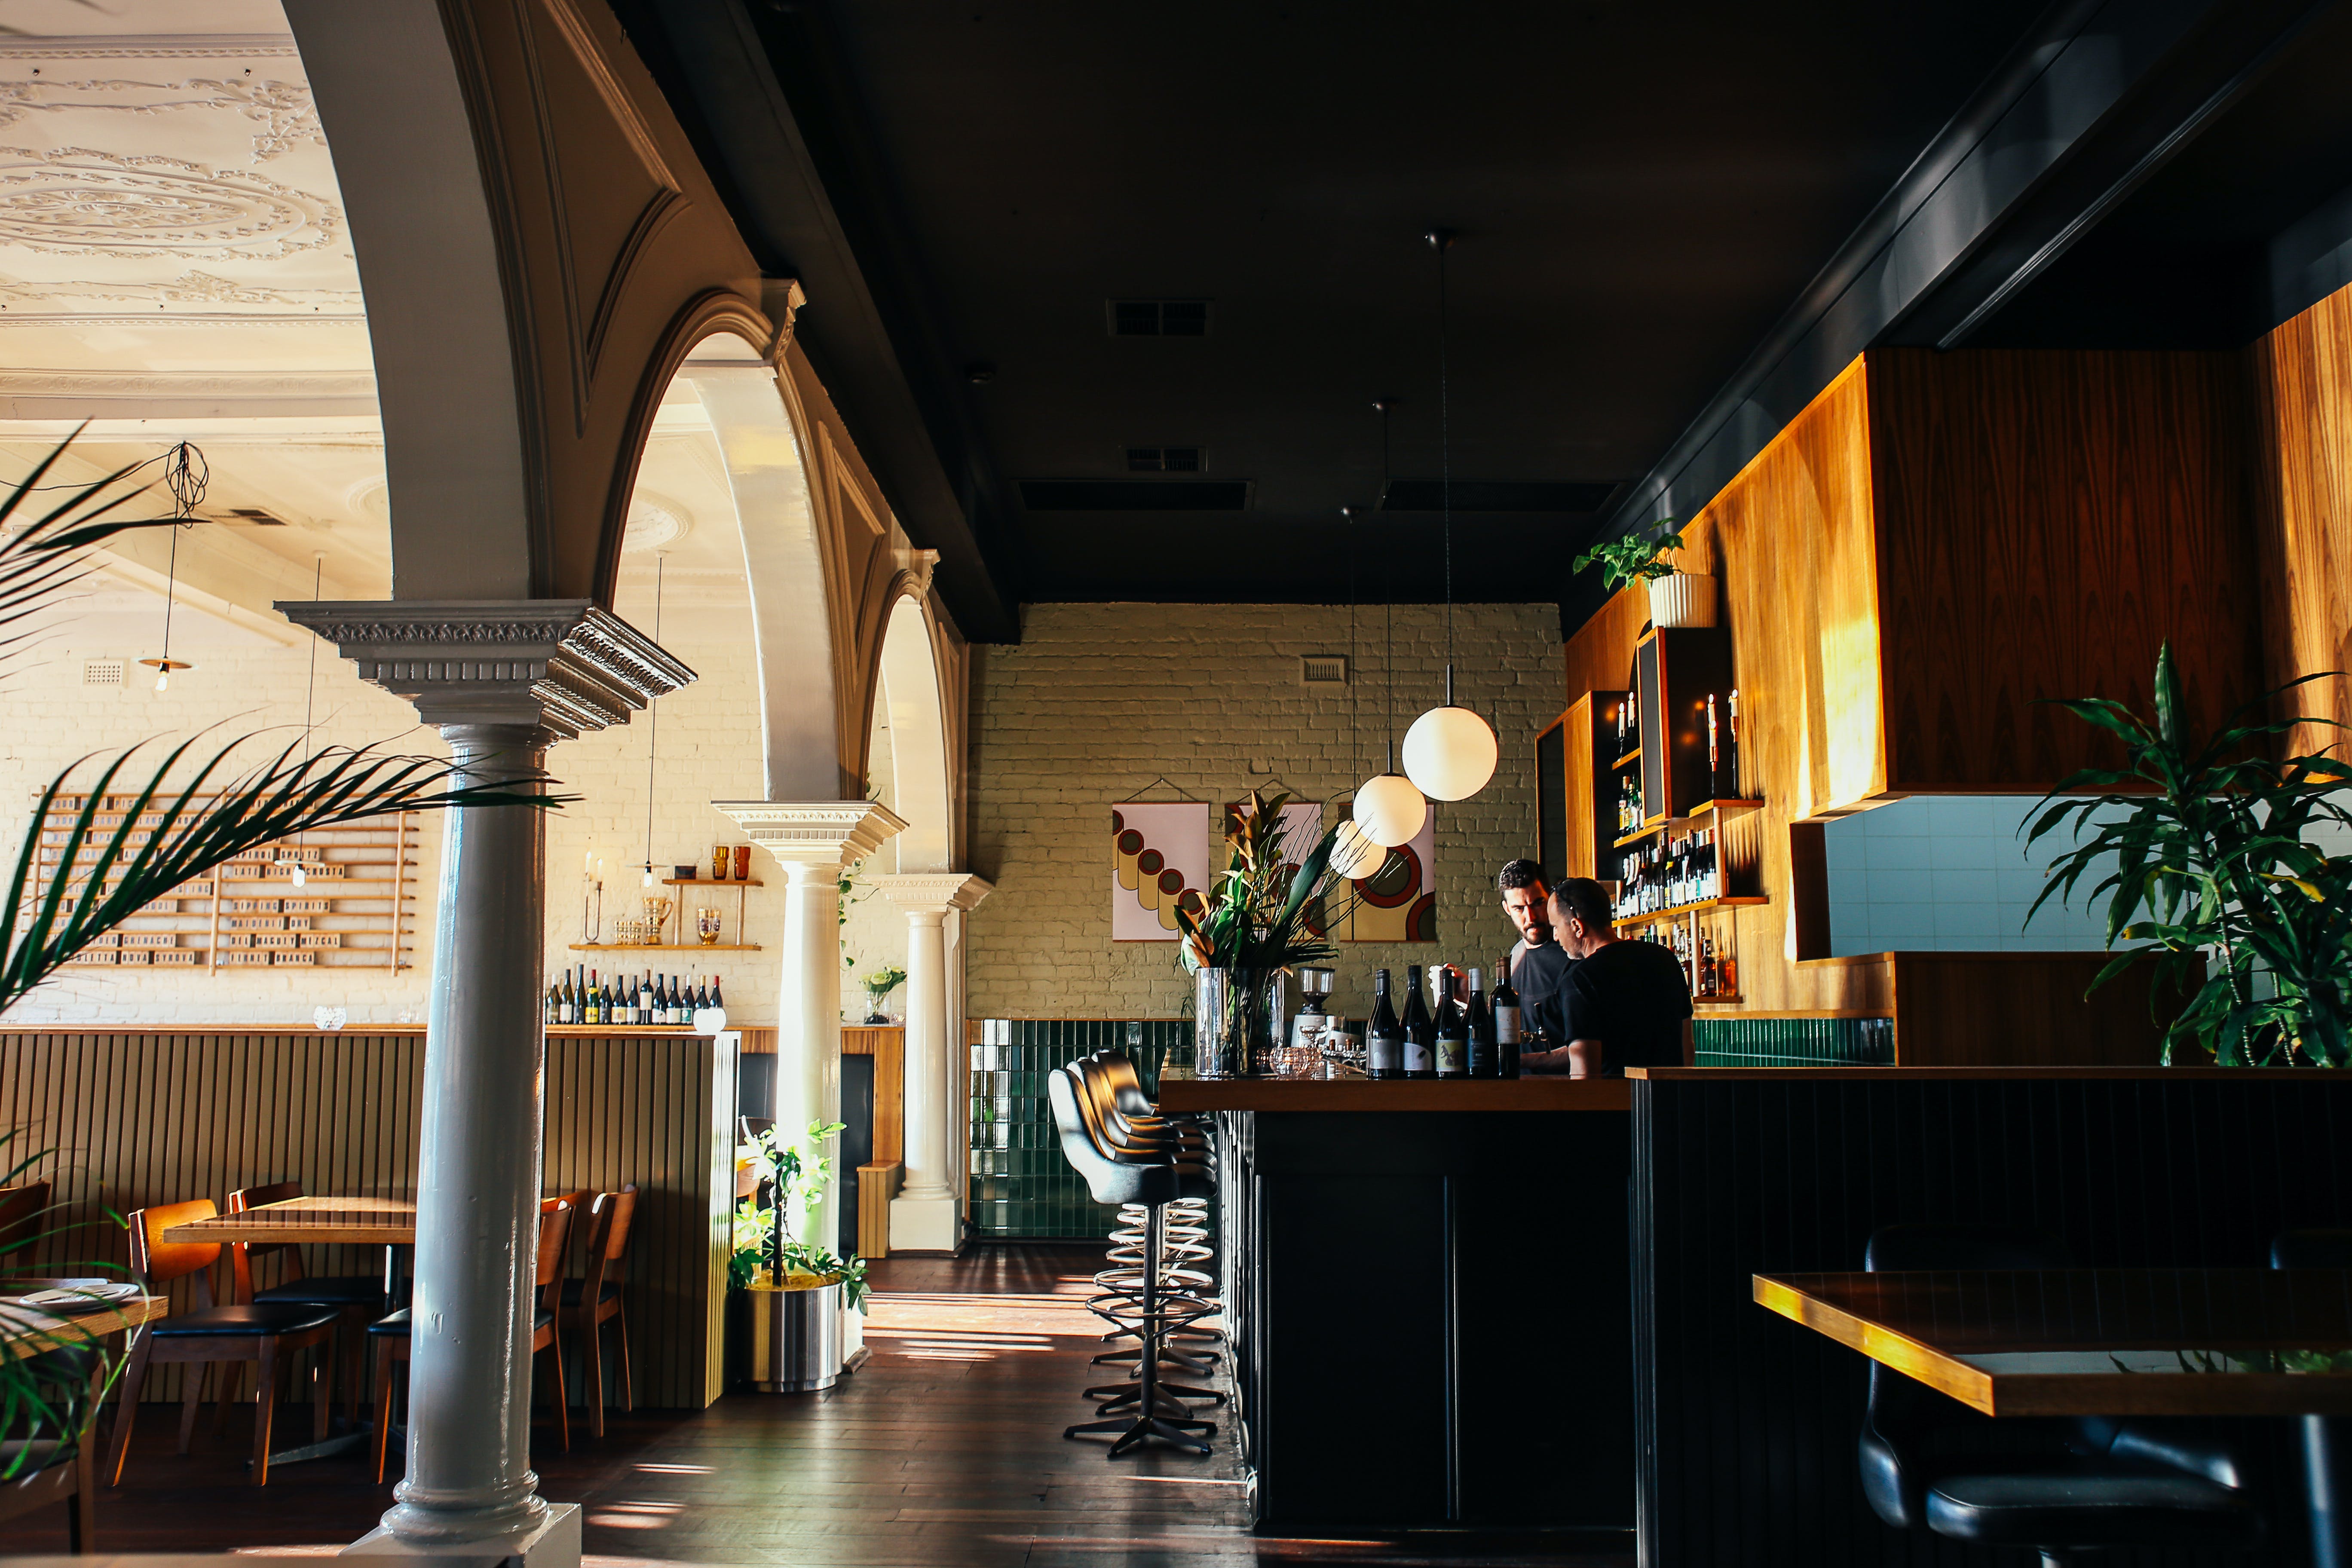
pixel 879 985
pixel 60 905
pixel 1676 598
pixel 2215 877
pixel 1264 914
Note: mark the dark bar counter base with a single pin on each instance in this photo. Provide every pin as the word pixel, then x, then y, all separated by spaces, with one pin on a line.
pixel 1430 1309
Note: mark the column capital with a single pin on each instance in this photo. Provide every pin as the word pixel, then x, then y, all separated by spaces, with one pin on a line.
pixel 811 833
pixel 934 892
pixel 561 666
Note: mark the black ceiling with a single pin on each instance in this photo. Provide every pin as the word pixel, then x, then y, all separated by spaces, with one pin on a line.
pixel 1642 193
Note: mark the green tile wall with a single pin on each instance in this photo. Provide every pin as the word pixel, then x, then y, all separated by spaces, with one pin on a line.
pixel 1021 1184
pixel 1793 1042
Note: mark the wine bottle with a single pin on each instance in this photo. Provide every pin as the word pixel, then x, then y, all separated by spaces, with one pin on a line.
pixel 718 997
pixel 589 1011
pixel 668 1003
pixel 1714 754
pixel 677 1002
pixel 1481 1020
pixel 1383 1039
pixel 1731 787
pixel 1508 1022
pixel 702 996
pixel 1453 1027
pixel 1707 965
pixel 1419 1028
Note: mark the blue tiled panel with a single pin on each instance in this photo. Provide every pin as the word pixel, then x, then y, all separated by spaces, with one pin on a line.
pixel 1021 1184
pixel 1793 1042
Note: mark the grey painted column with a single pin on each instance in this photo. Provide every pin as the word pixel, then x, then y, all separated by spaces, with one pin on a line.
pixel 502 680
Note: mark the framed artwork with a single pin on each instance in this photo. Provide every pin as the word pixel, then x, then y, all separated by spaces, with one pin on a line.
pixel 1398 901
pixel 1159 857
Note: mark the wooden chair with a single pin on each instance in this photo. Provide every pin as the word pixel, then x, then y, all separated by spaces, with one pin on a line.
pixel 392 1334
pixel 261 1332
pixel 59 1470
pixel 358 1298
pixel 595 1299
pixel 21 1208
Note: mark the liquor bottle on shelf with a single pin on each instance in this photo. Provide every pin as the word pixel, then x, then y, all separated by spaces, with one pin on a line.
pixel 551 1009
pixel 1727 975
pixel 1383 1036
pixel 1727 784
pixel 590 1013
pixel 718 999
pixel 670 1007
pixel 1707 971
pixel 1453 1028
pixel 1714 753
pixel 1419 1028
pixel 1481 1019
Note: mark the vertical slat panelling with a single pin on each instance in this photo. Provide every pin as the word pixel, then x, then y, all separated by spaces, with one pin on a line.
pixel 140 1118
pixel 1749 1422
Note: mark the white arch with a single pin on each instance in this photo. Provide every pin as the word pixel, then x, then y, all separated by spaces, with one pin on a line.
pixel 909 690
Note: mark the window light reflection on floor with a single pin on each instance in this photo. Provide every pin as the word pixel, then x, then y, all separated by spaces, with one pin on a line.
pixel 634 1515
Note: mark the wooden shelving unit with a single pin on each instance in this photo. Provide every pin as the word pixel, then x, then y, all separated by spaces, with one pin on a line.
pixel 663 947
pixel 1664 916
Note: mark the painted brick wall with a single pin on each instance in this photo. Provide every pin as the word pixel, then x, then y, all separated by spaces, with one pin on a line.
pixel 1097 698
pixel 710 750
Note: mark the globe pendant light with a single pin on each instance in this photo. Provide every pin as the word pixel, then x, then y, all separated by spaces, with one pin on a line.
pixel 1450 752
pixel 1354 854
pixel 1389 809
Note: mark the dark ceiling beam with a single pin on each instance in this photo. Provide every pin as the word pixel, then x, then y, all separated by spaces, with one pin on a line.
pixel 2093 99
pixel 761 88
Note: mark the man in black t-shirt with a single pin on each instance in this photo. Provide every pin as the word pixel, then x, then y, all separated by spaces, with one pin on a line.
pixel 1622 1004
pixel 1537 963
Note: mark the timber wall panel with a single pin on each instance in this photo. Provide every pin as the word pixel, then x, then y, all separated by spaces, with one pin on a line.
pixel 2303 379
pixel 137 1118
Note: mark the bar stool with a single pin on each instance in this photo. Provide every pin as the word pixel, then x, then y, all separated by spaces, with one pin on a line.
pixel 1118 1094
pixel 1153 1179
pixel 256 1331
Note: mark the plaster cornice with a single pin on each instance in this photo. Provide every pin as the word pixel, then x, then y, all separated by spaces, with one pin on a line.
pixel 560 665
pixel 815 833
pixel 934 891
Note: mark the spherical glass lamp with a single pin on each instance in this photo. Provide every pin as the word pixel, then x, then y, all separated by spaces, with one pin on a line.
pixel 1354 854
pixel 1450 753
pixel 1390 810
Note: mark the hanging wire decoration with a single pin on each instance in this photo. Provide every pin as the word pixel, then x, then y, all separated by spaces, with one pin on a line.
pixel 185 475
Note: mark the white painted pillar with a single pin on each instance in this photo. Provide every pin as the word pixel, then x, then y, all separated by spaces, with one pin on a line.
pixel 501 679
pixel 812 841
pixel 926 1217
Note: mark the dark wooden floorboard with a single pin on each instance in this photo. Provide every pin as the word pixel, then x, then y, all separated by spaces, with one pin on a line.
pixel 944 1449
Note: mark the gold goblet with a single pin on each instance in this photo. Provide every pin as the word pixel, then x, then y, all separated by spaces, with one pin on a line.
pixel 705 926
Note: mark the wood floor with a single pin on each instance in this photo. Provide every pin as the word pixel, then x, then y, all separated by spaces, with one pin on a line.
pixel 945 1449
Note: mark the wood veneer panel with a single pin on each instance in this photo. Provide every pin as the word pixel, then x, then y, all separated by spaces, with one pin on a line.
pixel 2046 522
pixel 2303 384
pixel 2020 1009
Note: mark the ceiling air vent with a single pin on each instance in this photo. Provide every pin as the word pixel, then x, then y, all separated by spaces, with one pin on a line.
pixel 1324 669
pixel 1134 495
pixel 252 516
pixel 102 673
pixel 1495 495
pixel 1159 318
pixel 1165 459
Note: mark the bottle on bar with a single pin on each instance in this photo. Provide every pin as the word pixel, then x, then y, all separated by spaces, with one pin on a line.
pixel 1453 1027
pixel 590 1013
pixel 1510 1022
pixel 1419 1028
pixel 1707 981
pixel 718 997
pixel 1383 1036
pixel 1481 1029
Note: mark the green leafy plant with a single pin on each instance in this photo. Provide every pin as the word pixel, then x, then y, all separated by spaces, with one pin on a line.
pixel 764 1242
pixel 1264 912
pixel 1633 557
pixel 53 1396
pixel 881 981
pixel 2211 872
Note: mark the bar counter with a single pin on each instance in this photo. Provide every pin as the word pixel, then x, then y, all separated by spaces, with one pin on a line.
pixel 1429 1302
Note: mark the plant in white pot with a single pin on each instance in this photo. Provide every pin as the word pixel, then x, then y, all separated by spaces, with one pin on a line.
pixel 1676 598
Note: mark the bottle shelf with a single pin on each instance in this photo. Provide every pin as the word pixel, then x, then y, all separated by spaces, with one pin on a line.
pixel 708 882
pixel 1651 917
pixel 1628 760
pixel 1719 809
pixel 665 947
pixel 1637 838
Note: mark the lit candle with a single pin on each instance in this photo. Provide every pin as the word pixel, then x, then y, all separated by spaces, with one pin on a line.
pixel 587 862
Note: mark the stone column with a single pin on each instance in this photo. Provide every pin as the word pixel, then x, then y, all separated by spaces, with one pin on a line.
pixel 926 1215
pixel 812 841
pixel 501 679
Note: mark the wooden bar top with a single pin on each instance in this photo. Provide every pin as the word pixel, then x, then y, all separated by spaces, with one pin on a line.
pixel 1363 1094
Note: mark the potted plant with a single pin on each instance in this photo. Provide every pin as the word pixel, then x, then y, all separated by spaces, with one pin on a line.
pixel 879 985
pixel 2213 873
pixel 793 1291
pixel 1676 598
pixel 1262 915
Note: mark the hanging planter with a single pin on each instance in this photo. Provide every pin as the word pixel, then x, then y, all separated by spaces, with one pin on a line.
pixel 1682 599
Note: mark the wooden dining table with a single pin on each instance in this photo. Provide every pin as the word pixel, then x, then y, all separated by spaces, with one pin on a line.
pixel 2108 1342
pixel 27 1331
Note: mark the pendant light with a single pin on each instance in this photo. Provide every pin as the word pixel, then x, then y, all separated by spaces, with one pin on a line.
pixel 295 875
pixel 1450 752
pixel 186 475
pixel 1388 808
pixel 653 729
pixel 1354 854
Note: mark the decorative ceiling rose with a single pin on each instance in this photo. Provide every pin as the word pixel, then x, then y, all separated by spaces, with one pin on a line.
pixel 79 202
pixel 651 526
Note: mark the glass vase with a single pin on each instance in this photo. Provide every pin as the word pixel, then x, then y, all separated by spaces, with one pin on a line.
pixel 1232 1021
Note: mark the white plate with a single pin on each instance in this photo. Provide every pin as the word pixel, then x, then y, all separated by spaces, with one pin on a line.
pixel 83 1296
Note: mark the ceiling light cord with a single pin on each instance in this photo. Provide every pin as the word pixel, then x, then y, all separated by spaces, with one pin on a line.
pixel 1388 593
pixel 653 720
pixel 1441 240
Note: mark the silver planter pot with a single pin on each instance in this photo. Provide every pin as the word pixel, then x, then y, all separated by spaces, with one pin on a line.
pixel 796 1339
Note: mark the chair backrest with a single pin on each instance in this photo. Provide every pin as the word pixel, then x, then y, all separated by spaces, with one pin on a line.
pixel 609 1218
pixel 241 1254
pixel 1904 1417
pixel 1111 1180
pixel 1126 1083
pixel 159 1262
pixel 2312 1250
pixel 20 1214
pixel 554 1231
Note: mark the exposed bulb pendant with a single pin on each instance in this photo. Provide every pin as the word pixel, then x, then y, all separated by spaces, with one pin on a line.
pixel 186 475
pixel 1450 753
pixel 1389 809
